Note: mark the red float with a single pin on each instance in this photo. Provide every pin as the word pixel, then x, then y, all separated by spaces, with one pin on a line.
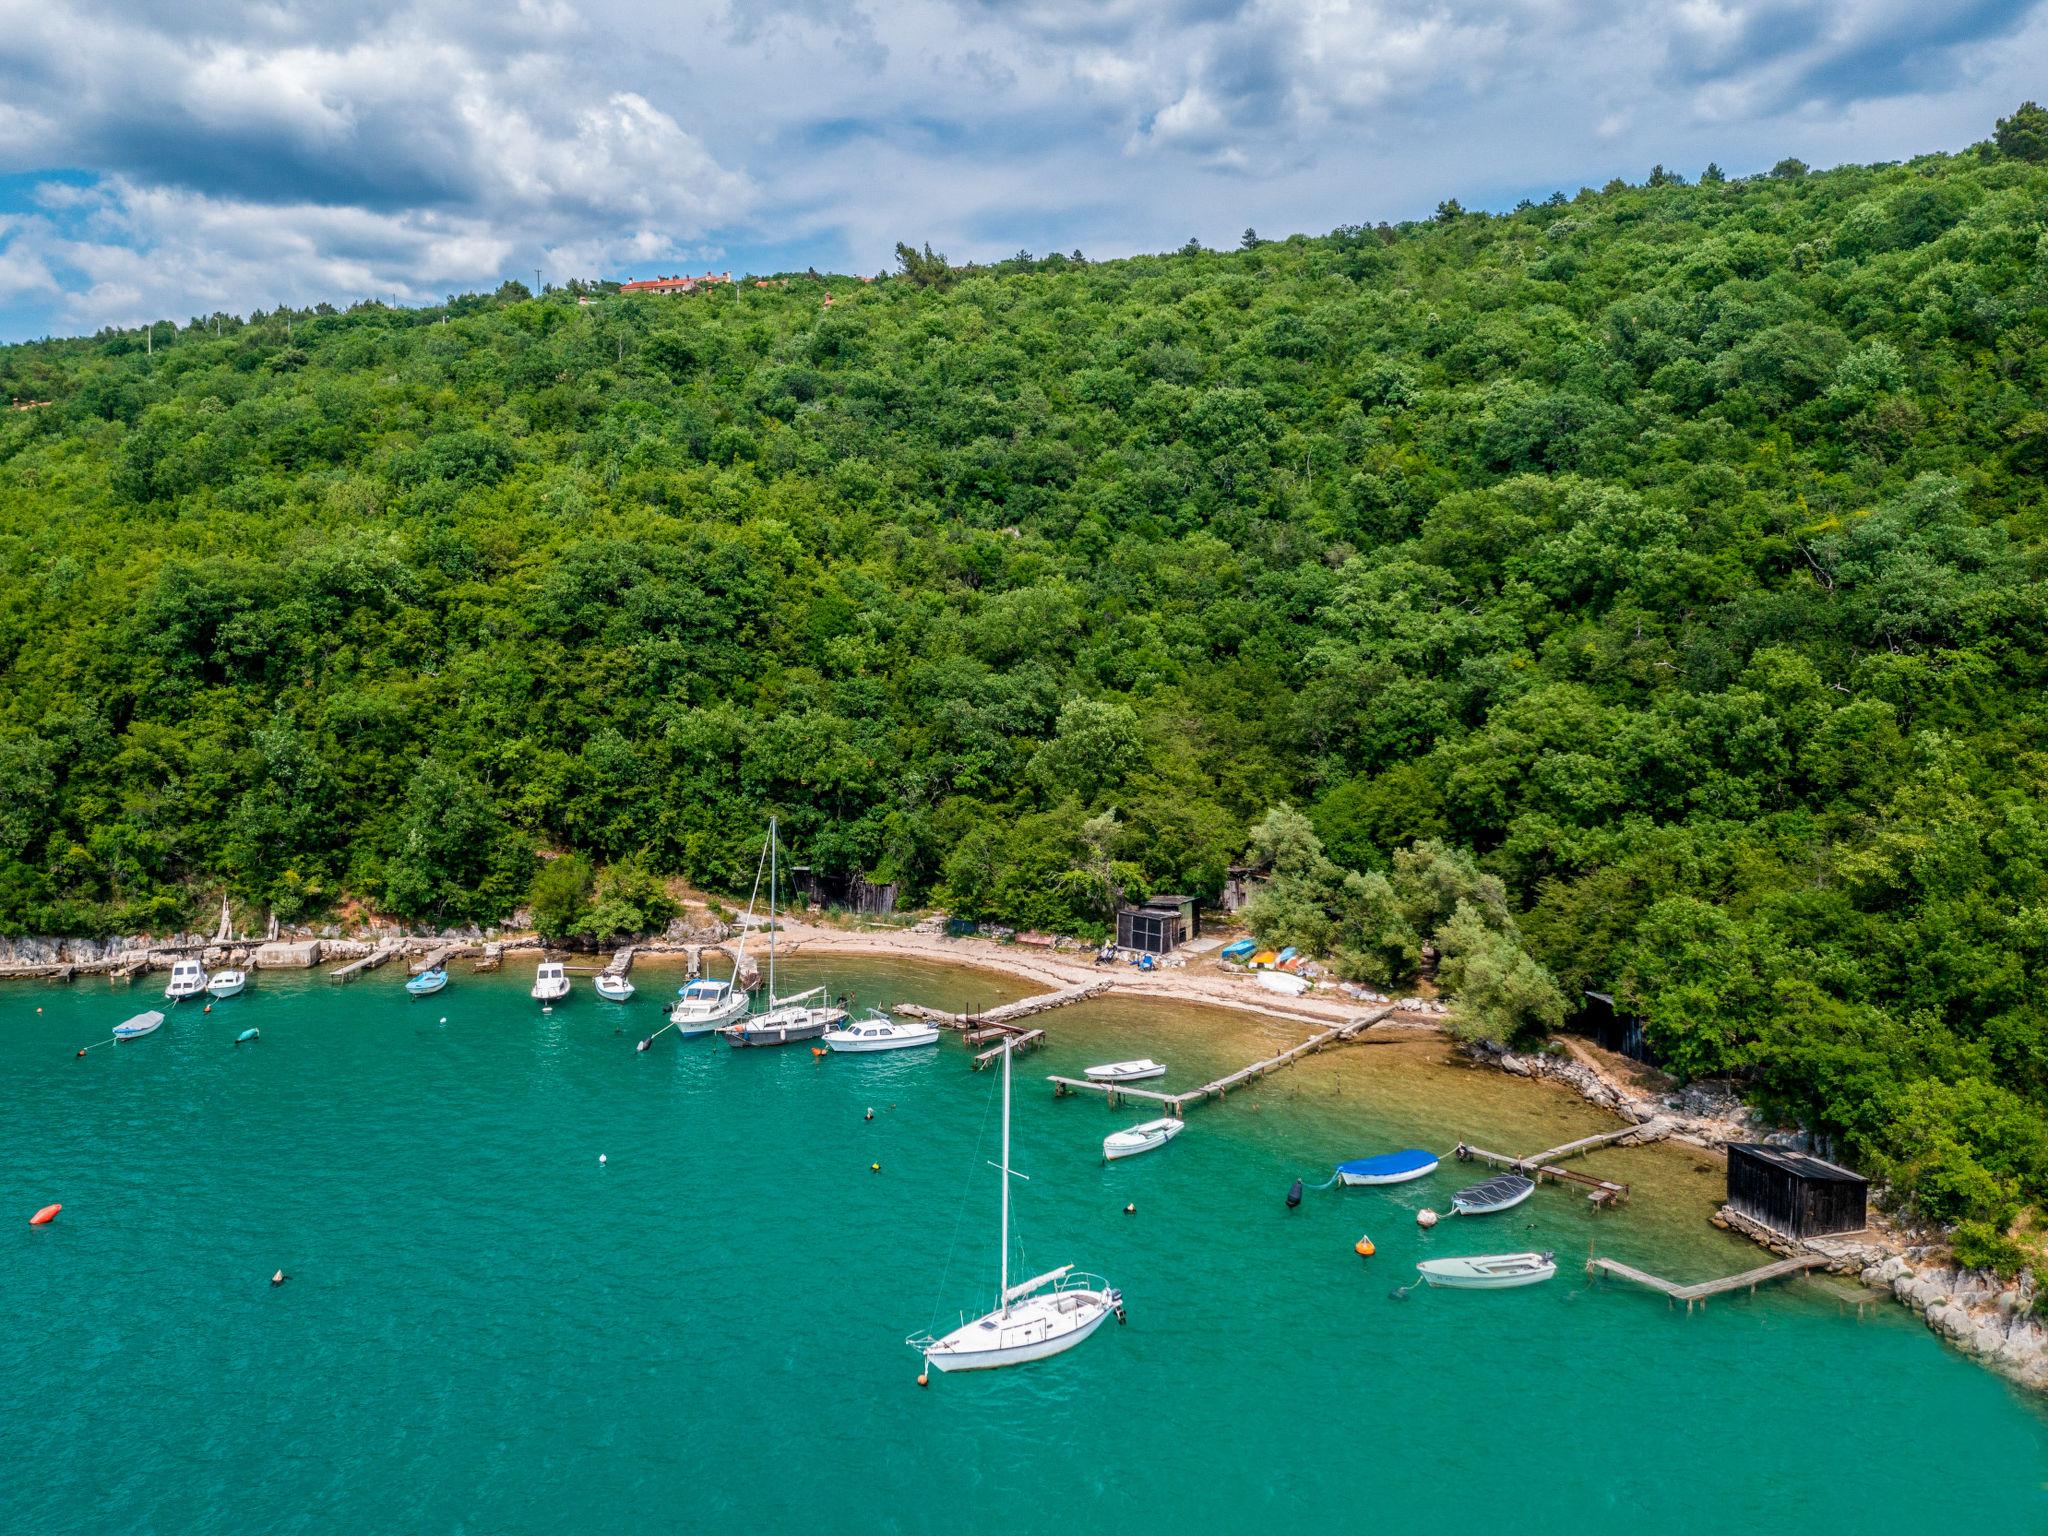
pixel 45 1216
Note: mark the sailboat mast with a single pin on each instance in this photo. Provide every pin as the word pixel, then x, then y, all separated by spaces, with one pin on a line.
pixel 1003 1297
pixel 771 911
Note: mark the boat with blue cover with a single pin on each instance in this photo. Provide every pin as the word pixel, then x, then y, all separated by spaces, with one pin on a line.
pixel 427 983
pixel 1242 949
pixel 1387 1168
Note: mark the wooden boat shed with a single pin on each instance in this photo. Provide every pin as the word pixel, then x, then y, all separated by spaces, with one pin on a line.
pixel 1160 926
pixel 1795 1193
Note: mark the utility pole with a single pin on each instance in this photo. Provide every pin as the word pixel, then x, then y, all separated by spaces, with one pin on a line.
pixel 536 282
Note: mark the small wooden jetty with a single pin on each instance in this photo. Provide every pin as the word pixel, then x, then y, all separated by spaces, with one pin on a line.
pixel 1005 1013
pixel 1020 1040
pixel 1604 1193
pixel 369 962
pixel 1748 1280
pixel 1114 1093
pixel 437 959
pixel 620 963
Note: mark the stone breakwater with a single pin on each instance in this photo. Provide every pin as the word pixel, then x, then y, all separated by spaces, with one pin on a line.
pixel 1989 1318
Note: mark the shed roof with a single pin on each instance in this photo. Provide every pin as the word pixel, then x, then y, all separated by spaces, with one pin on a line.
pixel 1799 1164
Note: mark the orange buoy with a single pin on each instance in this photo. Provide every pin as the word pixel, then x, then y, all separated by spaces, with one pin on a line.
pixel 45 1216
pixel 817 1050
pixel 924 1378
pixel 1363 1248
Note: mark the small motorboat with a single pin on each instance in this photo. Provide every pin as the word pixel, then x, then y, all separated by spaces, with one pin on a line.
pixel 704 1007
pixel 550 982
pixel 879 1032
pixel 1503 1193
pixel 226 983
pixel 1140 1138
pixel 1489 1271
pixel 427 983
pixel 613 988
pixel 1284 982
pixel 188 979
pixel 1242 949
pixel 1126 1071
pixel 142 1024
pixel 1387 1168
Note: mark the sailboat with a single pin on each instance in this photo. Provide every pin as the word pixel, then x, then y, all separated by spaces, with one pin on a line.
pixel 1045 1315
pixel 788 1019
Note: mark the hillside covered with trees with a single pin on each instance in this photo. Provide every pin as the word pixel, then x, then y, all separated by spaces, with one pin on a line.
pixel 1639 590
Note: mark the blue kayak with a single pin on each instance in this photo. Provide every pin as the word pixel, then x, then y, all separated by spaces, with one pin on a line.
pixel 1387 1168
pixel 1241 950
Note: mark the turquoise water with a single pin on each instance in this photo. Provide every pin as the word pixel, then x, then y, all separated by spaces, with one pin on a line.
pixel 486 1330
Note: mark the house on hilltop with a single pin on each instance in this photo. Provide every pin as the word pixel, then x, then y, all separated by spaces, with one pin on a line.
pixel 675 286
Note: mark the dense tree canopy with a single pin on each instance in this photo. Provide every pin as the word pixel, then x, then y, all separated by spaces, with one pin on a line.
pixel 1663 561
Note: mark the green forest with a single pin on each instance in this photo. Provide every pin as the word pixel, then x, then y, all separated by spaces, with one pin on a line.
pixel 1638 590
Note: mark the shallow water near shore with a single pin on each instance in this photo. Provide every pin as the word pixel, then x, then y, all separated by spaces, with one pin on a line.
pixel 488 1330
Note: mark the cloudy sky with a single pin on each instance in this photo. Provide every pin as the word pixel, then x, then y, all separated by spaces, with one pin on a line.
pixel 161 160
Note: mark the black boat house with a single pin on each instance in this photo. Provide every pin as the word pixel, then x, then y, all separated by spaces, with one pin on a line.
pixel 1160 926
pixel 1795 1193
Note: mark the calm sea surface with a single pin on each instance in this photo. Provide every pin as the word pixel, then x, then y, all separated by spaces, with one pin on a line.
pixel 487 1330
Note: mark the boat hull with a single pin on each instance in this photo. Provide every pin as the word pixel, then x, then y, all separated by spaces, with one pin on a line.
pixel 1286 983
pixel 219 989
pixel 1514 1270
pixel 1492 1205
pixel 903 1042
pixel 1138 1139
pixel 621 993
pixel 1365 1176
pixel 1121 1074
pixel 136 1028
pixel 1029 1334
pixel 426 985
pixel 741 1036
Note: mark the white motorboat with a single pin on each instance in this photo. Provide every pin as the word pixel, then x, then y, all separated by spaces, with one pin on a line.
pixel 1045 1315
pixel 705 1006
pixel 1501 1193
pixel 1126 1071
pixel 188 979
pixel 550 982
pixel 879 1032
pixel 1286 983
pixel 135 1028
pixel 613 988
pixel 1141 1138
pixel 226 983
pixel 1489 1271
pixel 787 1019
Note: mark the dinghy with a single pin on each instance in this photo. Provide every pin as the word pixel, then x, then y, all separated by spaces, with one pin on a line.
pixel 1242 949
pixel 613 988
pixel 427 983
pixel 188 979
pixel 135 1028
pixel 1126 1071
pixel 1503 1193
pixel 879 1032
pixel 1140 1138
pixel 1387 1168
pixel 1489 1271
pixel 226 983
pixel 1284 982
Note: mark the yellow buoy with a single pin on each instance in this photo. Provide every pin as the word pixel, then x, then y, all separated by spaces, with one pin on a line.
pixel 874 1167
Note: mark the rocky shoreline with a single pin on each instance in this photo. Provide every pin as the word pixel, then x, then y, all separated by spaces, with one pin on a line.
pixel 1991 1319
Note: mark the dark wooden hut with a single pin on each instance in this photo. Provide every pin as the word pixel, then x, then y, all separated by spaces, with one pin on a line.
pixel 1159 926
pixel 1795 1193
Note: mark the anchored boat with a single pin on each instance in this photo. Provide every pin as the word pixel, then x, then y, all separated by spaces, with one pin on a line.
pixel 613 988
pixel 1387 1168
pixel 1141 1138
pixel 1502 1193
pixel 879 1032
pixel 1489 1271
pixel 706 1006
pixel 226 983
pixel 188 979
pixel 1045 1315
pixel 788 1019
pixel 142 1024
pixel 1126 1071
pixel 427 983
pixel 550 982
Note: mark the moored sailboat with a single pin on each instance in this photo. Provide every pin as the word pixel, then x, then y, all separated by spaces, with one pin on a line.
pixel 787 1019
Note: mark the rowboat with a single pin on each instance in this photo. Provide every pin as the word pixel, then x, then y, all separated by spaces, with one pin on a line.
pixel 1140 1138
pixel 135 1028
pixel 613 988
pixel 1387 1168
pixel 1126 1071
pixel 1503 1193
pixel 1284 982
pixel 1242 949
pixel 226 983
pixel 1488 1271
pixel 427 983
pixel 1262 959
pixel 879 1032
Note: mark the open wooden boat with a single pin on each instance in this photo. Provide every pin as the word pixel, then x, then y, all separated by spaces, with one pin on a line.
pixel 613 988
pixel 1141 1138
pixel 1126 1071
pixel 1502 1193
pixel 1489 1271
pixel 1387 1168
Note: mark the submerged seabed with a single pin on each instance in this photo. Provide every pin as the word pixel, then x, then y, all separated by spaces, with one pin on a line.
pixel 487 1330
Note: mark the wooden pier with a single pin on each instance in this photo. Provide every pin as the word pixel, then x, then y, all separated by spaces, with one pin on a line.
pixel 1179 1102
pixel 1021 1040
pixel 1748 1280
pixel 1005 1013
pixel 437 959
pixel 1604 1192
pixel 369 962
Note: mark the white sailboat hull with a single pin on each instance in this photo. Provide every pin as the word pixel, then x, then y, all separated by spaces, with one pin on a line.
pixel 1035 1329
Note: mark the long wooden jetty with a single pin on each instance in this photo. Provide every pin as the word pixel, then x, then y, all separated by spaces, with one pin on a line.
pixel 1022 1040
pixel 1748 1280
pixel 369 962
pixel 1179 1102
pixel 1006 1013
